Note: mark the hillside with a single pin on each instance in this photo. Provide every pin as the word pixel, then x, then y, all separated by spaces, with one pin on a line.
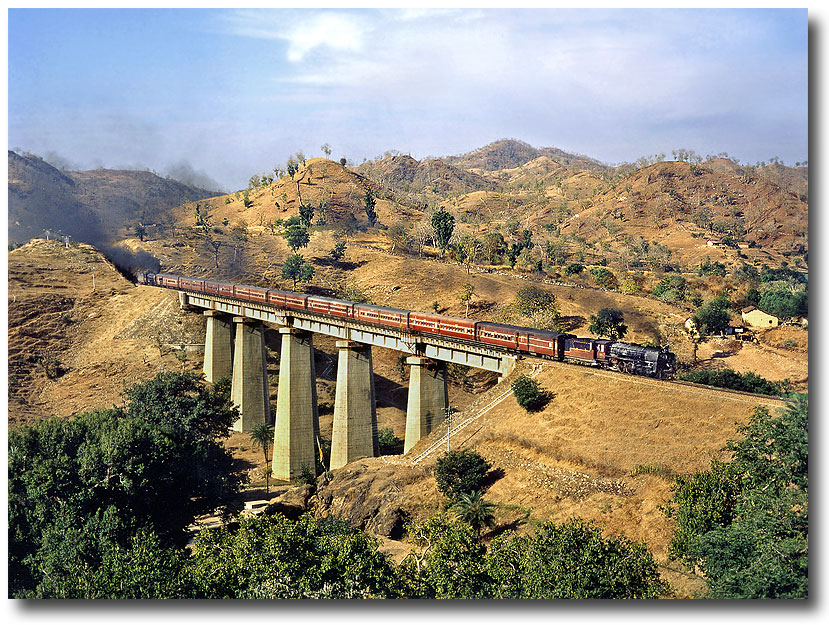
pixel 92 206
pixel 606 445
pixel 404 174
pixel 682 206
pixel 511 153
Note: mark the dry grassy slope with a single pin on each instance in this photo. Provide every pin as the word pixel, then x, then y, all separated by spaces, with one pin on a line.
pixel 656 203
pixel 663 197
pixel 91 206
pixel 578 456
pixel 403 172
pixel 53 311
pixel 318 180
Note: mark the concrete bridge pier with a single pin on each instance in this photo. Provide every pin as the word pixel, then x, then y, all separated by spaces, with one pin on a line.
pixel 428 398
pixel 355 412
pixel 218 347
pixel 249 383
pixel 297 419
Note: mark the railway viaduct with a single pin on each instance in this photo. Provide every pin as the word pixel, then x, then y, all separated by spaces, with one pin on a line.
pixel 235 348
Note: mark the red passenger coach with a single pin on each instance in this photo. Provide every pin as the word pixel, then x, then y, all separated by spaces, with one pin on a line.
pixel 276 298
pixel 191 284
pixel 329 306
pixel 297 301
pixel 457 327
pixel 547 344
pixel 498 334
pixel 218 288
pixel 384 315
pixel 252 293
pixel 424 322
pixel 168 280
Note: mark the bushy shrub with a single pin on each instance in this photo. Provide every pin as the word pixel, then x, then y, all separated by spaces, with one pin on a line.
pixel 744 524
pixel 604 278
pixel 528 393
pixel 458 472
pixel 728 378
pixel 389 443
pixel 573 269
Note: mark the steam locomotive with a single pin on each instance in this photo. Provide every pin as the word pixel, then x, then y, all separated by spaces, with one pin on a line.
pixel 602 353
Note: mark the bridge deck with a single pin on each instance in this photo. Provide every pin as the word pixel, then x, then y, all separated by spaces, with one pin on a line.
pixel 437 348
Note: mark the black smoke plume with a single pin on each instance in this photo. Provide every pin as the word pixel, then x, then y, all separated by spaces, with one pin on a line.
pixel 130 262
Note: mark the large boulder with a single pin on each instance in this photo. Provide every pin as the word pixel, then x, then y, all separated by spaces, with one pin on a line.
pixel 292 503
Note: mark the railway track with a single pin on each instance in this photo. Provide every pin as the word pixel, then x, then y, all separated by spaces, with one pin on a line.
pixel 690 387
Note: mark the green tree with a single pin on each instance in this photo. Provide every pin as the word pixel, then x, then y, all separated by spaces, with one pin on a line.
pixel 571 561
pixel 604 278
pixel 297 269
pixel 271 557
pixel 388 442
pixel 530 300
pixel 444 225
pixel 143 569
pixel 473 509
pixel 573 269
pixel 493 246
pixel 291 166
pixel 744 523
pixel 749 382
pixel 468 249
pixel 296 235
pixel 262 436
pixel 79 486
pixel 338 251
pixel 458 472
pixel 371 213
pixel 140 231
pixel 306 215
pixel 671 289
pixel 713 317
pixel 784 304
pixel 608 322
pixel 448 562
pixel 538 305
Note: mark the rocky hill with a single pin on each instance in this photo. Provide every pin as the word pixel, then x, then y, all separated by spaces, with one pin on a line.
pixel 92 206
pixel 405 174
pixel 511 153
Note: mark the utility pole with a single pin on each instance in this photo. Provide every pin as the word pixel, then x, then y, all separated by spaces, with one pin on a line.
pixel 448 412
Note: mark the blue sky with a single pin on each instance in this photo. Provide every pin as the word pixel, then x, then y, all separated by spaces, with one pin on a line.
pixel 229 93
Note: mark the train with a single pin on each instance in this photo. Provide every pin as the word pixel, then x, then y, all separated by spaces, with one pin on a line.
pixel 595 352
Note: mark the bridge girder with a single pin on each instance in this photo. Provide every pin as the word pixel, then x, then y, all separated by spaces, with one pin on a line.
pixel 436 348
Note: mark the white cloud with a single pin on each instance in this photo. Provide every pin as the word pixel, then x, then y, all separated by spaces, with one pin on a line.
pixel 304 31
pixel 336 31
